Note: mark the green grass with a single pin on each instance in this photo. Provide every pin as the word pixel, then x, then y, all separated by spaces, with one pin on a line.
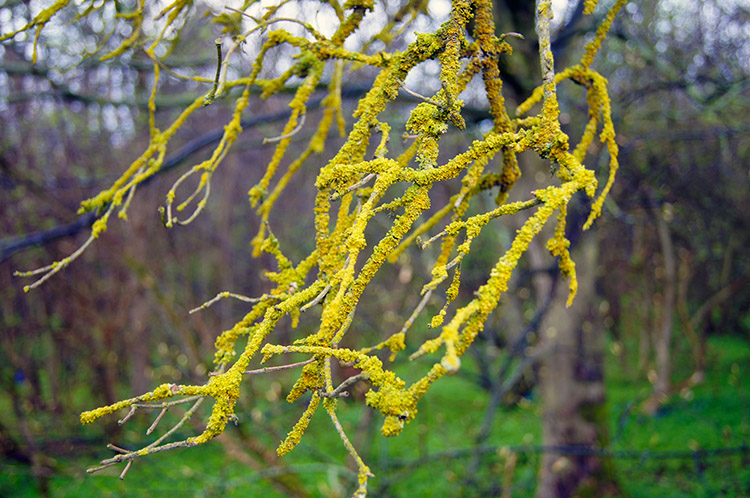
pixel 714 414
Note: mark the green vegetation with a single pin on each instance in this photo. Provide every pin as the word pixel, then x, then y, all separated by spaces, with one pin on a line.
pixel 716 414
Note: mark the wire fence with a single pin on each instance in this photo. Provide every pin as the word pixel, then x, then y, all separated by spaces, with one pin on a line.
pixel 707 472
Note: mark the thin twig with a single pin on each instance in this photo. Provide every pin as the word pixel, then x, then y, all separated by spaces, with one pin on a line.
pixel 166 404
pixel 416 311
pixel 169 222
pixel 361 183
pixel 338 392
pixel 317 299
pixel 125 470
pixel 127 417
pixel 432 239
pixel 135 454
pixel 131 192
pixel 225 294
pixel 55 267
pixel 287 135
pixel 201 204
pixel 421 97
pixel 363 471
pixel 156 422
pixel 179 424
pixel 264 24
pixel 172 72
pixel 454 262
pixel 274 369
pixel 128 456
pixel 209 99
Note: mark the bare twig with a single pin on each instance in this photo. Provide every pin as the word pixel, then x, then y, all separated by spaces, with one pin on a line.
pixel 209 99
pixel 422 97
pixel 158 406
pixel 287 135
pixel 317 299
pixel 513 34
pixel 363 471
pixel 127 417
pixel 339 391
pixel 454 262
pixel 125 470
pixel 129 456
pixel 123 210
pixel 179 424
pixel 416 311
pixel 225 294
pixel 362 182
pixel 117 448
pixel 156 422
pixel 432 239
pixel 264 24
pixel 280 367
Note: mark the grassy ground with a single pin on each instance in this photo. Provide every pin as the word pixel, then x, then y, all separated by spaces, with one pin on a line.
pixel 431 457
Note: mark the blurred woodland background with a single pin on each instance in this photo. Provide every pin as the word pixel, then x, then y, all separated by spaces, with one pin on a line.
pixel 650 367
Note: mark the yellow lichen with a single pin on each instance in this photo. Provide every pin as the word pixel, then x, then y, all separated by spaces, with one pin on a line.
pixel 295 435
pixel 356 185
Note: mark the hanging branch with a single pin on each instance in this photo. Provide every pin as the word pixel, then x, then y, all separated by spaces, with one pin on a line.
pixel 351 189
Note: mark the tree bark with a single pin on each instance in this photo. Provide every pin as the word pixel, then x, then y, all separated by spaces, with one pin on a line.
pixel 571 381
pixel 663 338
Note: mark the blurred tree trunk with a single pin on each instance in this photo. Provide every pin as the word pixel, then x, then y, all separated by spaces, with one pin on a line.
pixel 697 343
pixel 571 382
pixel 571 375
pixel 663 336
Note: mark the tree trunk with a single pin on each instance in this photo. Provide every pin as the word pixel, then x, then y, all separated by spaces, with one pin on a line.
pixel 571 382
pixel 663 339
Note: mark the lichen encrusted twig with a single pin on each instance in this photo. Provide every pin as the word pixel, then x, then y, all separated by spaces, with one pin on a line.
pixel 353 187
